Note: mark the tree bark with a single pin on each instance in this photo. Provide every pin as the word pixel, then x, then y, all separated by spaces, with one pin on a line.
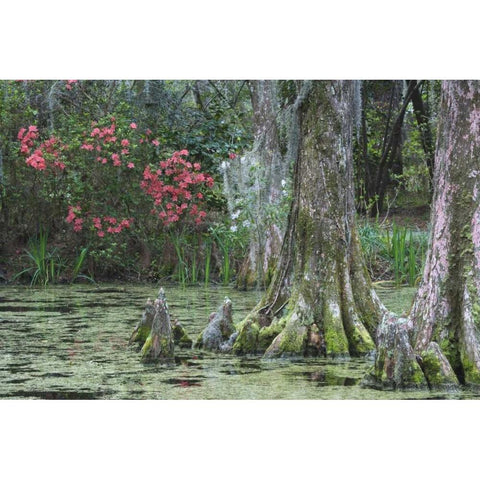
pixel 423 123
pixel 155 330
pixel 320 300
pixel 220 333
pixel 265 169
pixel 444 321
pixel 143 329
pixel 391 150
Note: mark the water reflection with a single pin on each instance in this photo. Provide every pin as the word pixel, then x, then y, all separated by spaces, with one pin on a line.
pixel 70 342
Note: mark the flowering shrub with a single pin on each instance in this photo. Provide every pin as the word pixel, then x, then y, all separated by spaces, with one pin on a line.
pixel 69 83
pixel 99 224
pixel 176 188
pixel 46 155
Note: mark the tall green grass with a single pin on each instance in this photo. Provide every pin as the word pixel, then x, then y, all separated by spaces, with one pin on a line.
pixel 46 264
pixel 208 258
pixel 399 252
pixel 225 239
pixel 77 266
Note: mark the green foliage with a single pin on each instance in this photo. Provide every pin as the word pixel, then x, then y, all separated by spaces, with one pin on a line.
pixel 211 126
pixel 227 240
pixel 77 266
pixel 397 253
pixel 46 265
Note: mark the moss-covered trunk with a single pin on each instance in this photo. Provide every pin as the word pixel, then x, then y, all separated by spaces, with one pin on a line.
pixel 445 317
pixel 321 293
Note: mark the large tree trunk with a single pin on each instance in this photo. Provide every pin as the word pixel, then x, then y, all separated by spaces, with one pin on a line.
pixel 443 327
pixel 321 289
pixel 256 179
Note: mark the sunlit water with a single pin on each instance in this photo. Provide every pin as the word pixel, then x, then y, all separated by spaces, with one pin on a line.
pixel 70 342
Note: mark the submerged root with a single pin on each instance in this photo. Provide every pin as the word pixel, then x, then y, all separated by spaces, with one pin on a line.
pixel 220 333
pixel 143 328
pixel 155 331
pixel 398 366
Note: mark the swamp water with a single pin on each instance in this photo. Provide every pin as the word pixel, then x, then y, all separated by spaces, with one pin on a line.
pixel 70 342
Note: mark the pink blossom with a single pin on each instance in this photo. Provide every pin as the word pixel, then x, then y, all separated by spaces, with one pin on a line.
pixel 125 143
pixel 131 165
pixel 59 165
pixel 133 125
pixel 77 224
pixel 156 142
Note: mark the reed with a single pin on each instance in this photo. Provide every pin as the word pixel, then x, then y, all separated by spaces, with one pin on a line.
pixel 47 265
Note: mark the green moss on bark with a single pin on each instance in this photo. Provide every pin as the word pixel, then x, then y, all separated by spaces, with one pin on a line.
pixel 247 339
pixel 141 334
pixel 436 368
pixel 267 334
pixel 335 339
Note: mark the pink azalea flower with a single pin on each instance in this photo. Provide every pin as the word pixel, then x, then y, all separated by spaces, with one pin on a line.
pixel 133 125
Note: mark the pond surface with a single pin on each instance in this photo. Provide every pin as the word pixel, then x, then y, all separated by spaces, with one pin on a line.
pixel 70 342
